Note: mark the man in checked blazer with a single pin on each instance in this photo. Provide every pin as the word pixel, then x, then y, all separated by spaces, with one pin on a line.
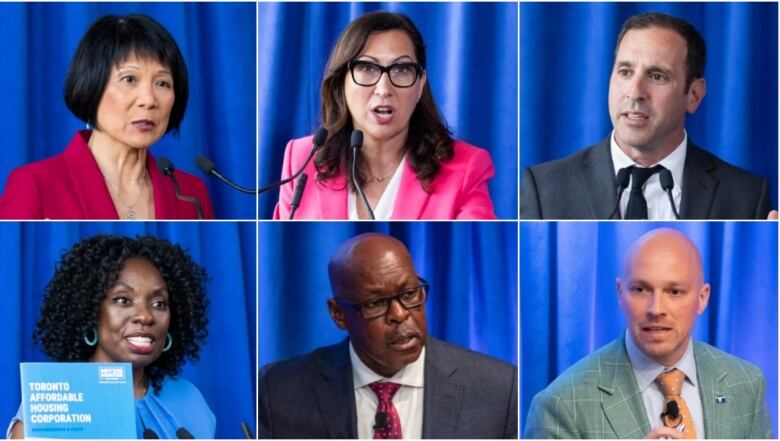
pixel 443 391
pixel 613 393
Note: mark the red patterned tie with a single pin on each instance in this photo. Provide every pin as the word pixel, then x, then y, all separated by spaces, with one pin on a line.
pixel 392 426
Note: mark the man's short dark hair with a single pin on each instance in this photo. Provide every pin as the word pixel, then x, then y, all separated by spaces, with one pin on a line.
pixel 108 42
pixel 697 50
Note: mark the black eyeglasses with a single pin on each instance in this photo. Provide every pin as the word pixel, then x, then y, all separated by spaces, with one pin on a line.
pixel 408 298
pixel 366 73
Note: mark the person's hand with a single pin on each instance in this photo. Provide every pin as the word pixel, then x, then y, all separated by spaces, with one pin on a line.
pixel 772 215
pixel 664 433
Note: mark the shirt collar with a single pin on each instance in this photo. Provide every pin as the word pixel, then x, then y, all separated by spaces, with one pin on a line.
pixel 410 375
pixel 647 370
pixel 674 162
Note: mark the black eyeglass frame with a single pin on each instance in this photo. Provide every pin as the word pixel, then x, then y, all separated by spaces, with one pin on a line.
pixel 418 70
pixel 424 285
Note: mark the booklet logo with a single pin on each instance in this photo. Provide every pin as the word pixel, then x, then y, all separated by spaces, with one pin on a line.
pixel 111 375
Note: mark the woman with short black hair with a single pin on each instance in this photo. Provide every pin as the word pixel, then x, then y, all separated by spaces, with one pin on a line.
pixel 128 81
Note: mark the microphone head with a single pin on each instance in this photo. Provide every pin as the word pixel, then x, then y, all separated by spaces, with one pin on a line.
pixel 320 136
pixel 667 181
pixel 672 410
pixel 149 434
pixel 183 433
pixel 380 421
pixel 205 164
pixel 356 140
pixel 622 177
pixel 165 166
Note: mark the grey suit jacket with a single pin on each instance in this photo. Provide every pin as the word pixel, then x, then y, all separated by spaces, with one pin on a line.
pixel 598 397
pixel 466 395
pixel 583 186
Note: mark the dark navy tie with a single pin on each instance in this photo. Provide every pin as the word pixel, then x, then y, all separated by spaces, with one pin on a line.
pixel 637 205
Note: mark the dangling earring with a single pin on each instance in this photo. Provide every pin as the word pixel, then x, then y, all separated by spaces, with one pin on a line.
pixel 169 342
pixel 93 341
pixel 88 127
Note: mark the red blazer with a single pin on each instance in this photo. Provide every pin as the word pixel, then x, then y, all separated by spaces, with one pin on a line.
pixel 71 186
pixel 459 191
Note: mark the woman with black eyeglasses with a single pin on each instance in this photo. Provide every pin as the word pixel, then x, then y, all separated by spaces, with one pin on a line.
pixel 408 165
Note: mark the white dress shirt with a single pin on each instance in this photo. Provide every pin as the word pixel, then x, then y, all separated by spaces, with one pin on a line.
pixel 384 208
pixel 646 370
pixel 658 206
pixel 408 400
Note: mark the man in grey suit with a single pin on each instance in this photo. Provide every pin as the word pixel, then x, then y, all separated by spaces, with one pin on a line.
pixel 388 379
pixel 620 392
pixel 656 81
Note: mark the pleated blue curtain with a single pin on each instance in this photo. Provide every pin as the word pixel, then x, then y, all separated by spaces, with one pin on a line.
pixel 472 69
pixel 567 51
pixel 217 41
pixel 225 374
pixel 471 268
pixel 569 302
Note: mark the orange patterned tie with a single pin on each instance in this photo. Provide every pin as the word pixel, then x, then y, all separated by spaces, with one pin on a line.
pixel 671 383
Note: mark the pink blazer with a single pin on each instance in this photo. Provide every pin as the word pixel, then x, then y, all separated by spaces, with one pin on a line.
pixel 459 191
pixel 70 186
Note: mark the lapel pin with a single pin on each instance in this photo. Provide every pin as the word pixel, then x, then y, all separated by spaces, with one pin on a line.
pixel 720 399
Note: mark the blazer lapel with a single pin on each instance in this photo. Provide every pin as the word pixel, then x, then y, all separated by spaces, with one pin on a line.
pixel 412 198
pixel 443 396
pixel 335 397
pixel 332 197
pixel 622 402
pixel 699 186
pixel 598 179
pixel 89 183
pixel 712 383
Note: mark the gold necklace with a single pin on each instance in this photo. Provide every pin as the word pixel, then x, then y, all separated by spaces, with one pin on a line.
pixel 382 178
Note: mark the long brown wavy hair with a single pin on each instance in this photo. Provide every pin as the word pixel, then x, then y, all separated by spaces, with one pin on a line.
pixel 429 141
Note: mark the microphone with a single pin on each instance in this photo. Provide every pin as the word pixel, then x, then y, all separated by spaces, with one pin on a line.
pixel 320 136
pixel 207 166
pixel 247 432
pixel 672 410
pixel 667 183
pixel 296 200
pixel 622 182
pixel 148 433
pixel 356 141
pixel 380 421
pixel 166 167
pixel 183 433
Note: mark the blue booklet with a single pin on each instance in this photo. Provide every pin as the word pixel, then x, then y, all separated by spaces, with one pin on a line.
pixel 78 400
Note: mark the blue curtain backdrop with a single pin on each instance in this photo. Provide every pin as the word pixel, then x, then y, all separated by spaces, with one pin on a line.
pixel 567 51
pixel 218 44
pixel 471 267
pixel 472 69
pixel 569 302
pixel 225 372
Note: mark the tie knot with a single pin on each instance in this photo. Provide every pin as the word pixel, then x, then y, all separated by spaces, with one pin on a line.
pixel 671 382
pixel 640 175
pixel 384 390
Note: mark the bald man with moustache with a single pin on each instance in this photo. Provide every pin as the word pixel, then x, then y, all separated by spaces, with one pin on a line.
pixel 656 381
pixel 388 378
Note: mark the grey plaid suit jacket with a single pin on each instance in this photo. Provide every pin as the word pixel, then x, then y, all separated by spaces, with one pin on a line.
pixel 466 395
pixel 598 397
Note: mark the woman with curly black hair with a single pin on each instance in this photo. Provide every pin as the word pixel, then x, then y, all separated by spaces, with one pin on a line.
pixel 140 301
